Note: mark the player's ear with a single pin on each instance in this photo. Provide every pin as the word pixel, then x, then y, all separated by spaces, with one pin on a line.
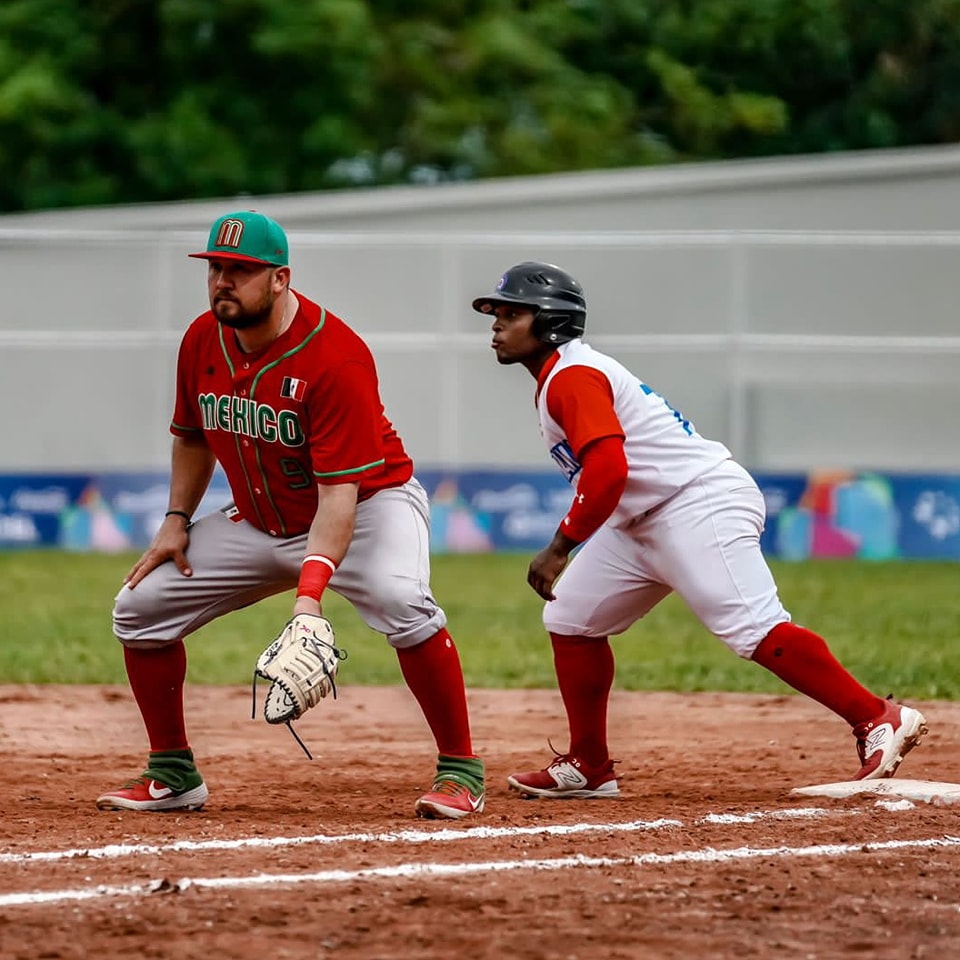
pixel 281 278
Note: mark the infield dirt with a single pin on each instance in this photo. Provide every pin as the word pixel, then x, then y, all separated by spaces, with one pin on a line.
pixel 706 854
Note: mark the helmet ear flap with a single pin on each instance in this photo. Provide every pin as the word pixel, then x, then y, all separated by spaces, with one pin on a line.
pixel 556 327
pixel 549 335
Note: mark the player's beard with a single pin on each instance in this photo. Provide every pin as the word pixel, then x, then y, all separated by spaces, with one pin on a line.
pixel 241 319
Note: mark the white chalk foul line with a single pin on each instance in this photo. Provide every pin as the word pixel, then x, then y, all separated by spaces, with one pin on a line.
pixel 402 836
pixel 435 870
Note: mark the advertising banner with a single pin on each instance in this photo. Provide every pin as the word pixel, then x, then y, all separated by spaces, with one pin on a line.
pixel 818 514
pixel 106 513
pixel 864 515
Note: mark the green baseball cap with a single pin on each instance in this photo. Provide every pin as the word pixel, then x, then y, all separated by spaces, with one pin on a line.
pixel 247 235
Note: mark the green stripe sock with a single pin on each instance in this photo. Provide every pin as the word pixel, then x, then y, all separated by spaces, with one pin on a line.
pixel 464 770
pixel 174 768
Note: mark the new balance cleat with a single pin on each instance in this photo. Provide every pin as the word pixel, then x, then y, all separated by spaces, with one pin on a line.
pixel 568 778
pixel 885 740
pixel 170 782
pixel 457 790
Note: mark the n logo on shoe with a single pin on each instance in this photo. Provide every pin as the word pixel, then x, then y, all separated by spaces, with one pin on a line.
pixel 158 791
pixel 875 739
pixel 567 775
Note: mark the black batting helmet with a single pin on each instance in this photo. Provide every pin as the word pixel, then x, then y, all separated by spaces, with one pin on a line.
pixel 555 298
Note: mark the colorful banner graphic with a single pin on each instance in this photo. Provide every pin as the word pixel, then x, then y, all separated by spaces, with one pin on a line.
pixel 821 514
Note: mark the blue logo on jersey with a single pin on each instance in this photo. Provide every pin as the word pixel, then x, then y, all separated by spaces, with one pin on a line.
pixel 678 416
pixel 565 460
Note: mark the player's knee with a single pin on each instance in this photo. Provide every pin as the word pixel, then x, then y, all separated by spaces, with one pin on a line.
pixel 414 632
pixel 410 624
pixel 560 618
pixel 404 613
pixel 743 638
pixel 744 645
pixel 136 614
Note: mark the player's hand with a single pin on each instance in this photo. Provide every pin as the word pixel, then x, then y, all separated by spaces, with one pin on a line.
pixel 170 543
pixel 545 567
pixel 548 564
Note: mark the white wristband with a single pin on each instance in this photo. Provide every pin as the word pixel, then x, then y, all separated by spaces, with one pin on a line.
pixel 320 558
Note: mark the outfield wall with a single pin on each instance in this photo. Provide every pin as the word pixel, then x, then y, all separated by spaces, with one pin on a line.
pixel 795 349
pixel 801 309
pixel 827 514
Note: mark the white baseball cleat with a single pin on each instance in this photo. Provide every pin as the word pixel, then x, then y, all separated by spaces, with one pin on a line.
pixel 885 740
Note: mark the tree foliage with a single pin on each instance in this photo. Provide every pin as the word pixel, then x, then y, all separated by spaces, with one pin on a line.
pixel 110 101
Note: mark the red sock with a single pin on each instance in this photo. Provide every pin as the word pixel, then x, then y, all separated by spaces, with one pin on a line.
pixel 585 670
pixel 433 674
pixel 801 659
pixel 156 678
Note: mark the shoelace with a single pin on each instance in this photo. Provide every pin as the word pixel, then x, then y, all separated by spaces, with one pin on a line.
pixel 450 788
pixel 136 781
pixel 560 758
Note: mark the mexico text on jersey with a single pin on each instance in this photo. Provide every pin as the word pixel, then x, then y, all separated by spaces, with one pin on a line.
pixel 243 416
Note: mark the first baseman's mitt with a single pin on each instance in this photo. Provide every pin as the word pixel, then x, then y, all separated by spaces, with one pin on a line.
pixel 301 665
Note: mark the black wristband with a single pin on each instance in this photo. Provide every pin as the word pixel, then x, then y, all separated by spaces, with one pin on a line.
pixel 180 513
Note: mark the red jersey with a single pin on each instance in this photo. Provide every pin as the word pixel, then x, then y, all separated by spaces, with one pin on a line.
pixel 305 410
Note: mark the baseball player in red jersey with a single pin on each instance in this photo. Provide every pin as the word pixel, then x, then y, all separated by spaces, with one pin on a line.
pixel 657 508
pixel 285 396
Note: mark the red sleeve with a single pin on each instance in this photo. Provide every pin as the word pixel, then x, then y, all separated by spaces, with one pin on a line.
pixel 603 477
pixel 580 399
pixel 346 436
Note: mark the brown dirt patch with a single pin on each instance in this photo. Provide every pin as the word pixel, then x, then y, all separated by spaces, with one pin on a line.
pixel 684 758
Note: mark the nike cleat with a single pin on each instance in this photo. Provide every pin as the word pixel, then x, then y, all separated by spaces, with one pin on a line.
pixel 457 790
pixel 151 795
pixel 170 782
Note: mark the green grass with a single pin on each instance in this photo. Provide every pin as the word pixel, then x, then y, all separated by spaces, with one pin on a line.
pixel 895 625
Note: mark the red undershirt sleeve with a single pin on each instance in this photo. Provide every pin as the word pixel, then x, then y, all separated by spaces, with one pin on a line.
pixel 580 400
pixel 603 477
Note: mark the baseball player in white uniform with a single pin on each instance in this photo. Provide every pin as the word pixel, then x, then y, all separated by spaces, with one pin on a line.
pixel 657 508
